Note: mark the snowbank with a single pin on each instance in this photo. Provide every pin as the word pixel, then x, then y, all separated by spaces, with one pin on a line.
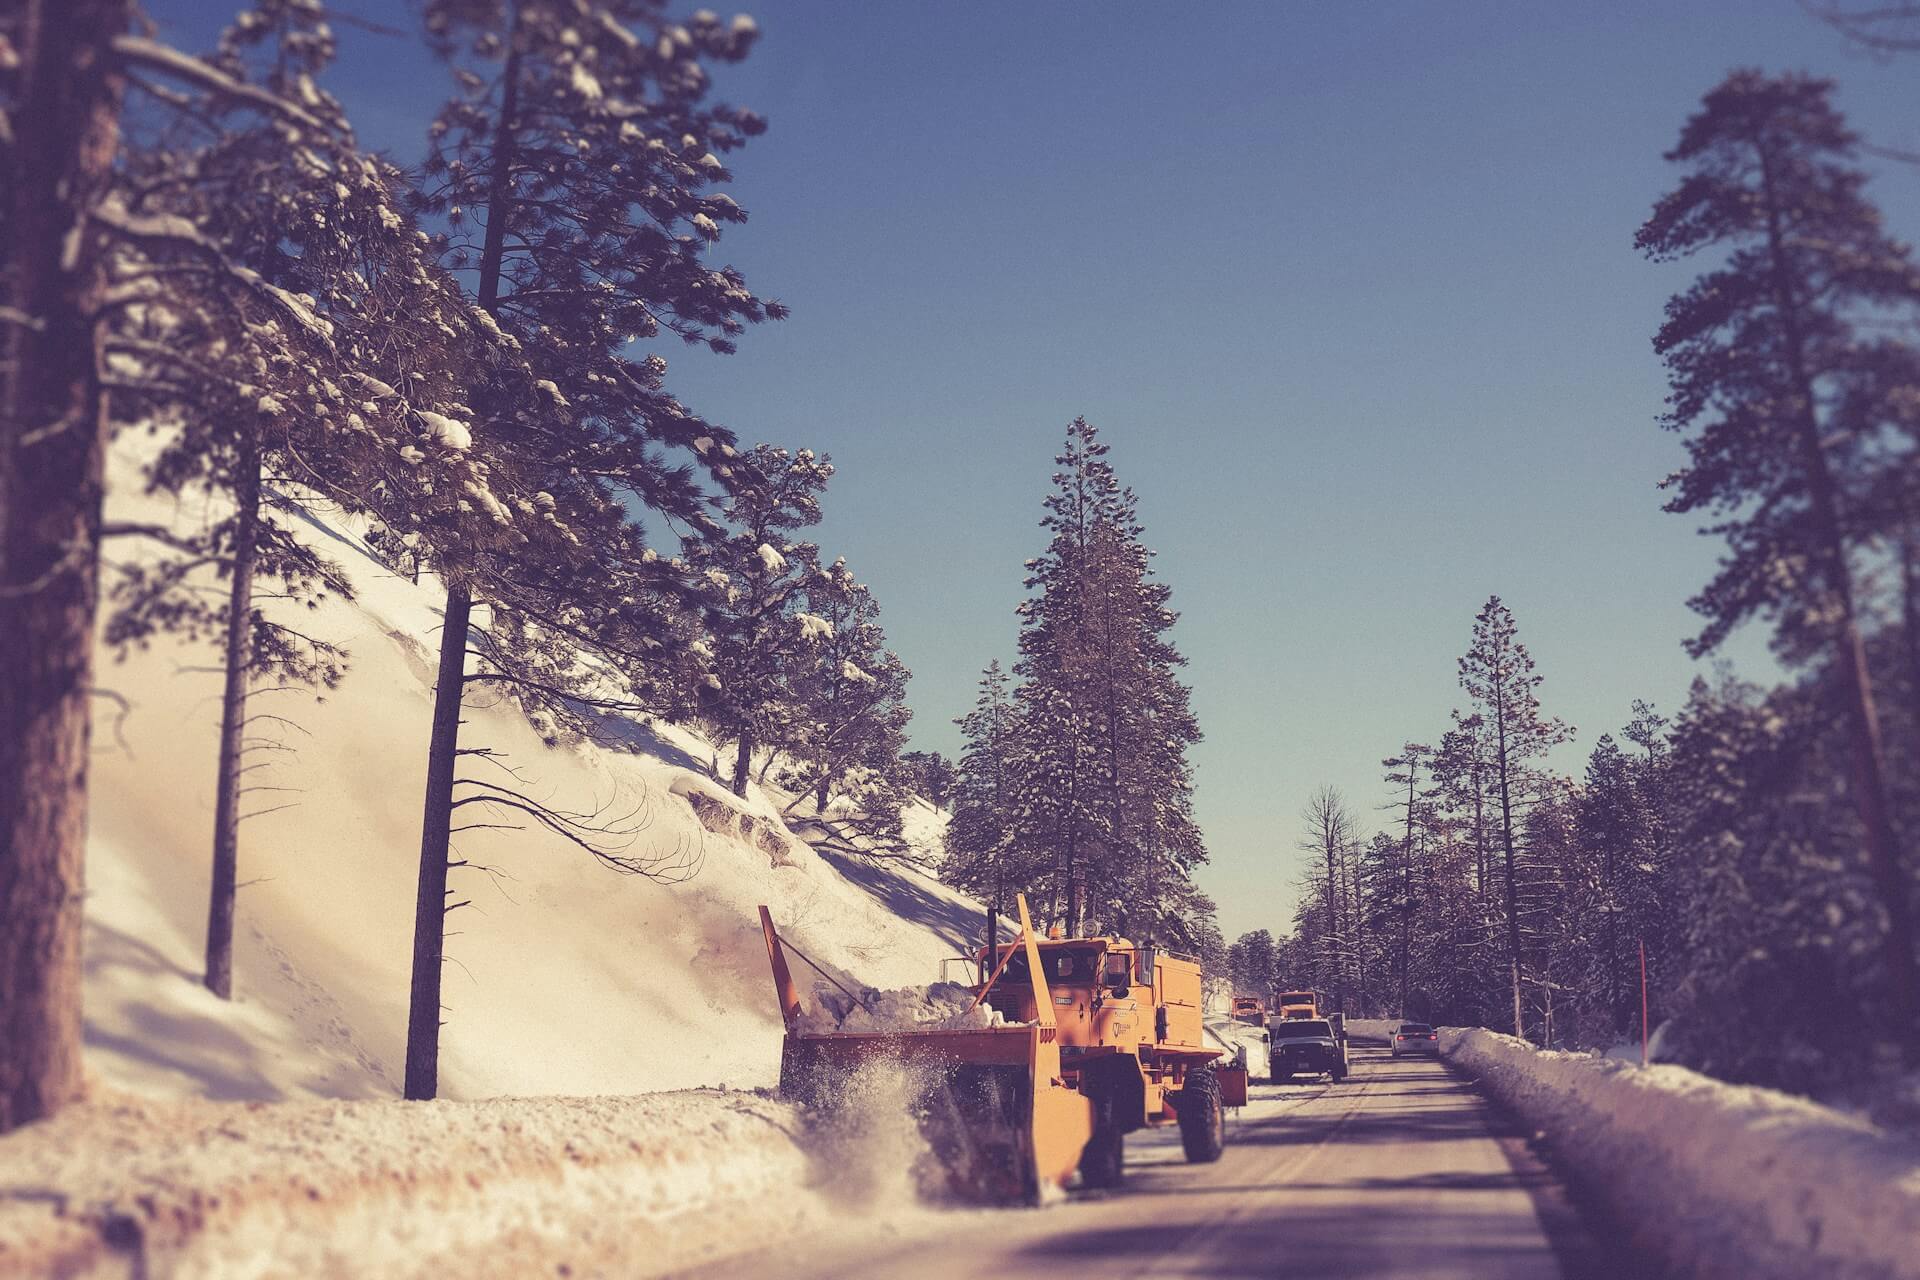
pixel 1380 1029
pixel 943 1006
pixel 509 1187
pixel 1245 1044
pixel 1718 1179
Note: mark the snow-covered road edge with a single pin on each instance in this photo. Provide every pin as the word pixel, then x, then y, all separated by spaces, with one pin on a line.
pixel 505 1187
pixel 1717 1179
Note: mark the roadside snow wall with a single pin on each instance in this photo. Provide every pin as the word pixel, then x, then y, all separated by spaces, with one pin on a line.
pixel 1717 1179
pixel 1377 1029
pixel 514 1186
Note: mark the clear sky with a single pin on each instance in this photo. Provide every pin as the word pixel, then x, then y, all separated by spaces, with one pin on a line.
pixel 1350 290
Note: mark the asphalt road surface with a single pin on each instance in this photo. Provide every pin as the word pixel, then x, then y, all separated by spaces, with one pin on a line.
pixel 1403 1170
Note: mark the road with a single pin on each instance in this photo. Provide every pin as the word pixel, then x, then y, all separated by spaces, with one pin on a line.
pixel 1401 1171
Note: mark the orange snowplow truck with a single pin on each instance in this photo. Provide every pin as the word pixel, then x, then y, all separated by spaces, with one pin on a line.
pixel 1251 1010
pixel 1101 1038
pixel 1299 1004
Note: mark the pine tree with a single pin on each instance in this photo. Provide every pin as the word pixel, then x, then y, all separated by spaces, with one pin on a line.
pixel 1061 814
pixel 1780 391
pixel 1460 769
pixel 758 582
pixel 582 148
pixel 933 776
pixel 1105 787
pixel 1405 774
pixel 1773 927
pixel 277 285
pixel 979 842
pixel 78 262
pixel 1497 674
pixel 1253 962
pixel 1616 830
pixel 850 690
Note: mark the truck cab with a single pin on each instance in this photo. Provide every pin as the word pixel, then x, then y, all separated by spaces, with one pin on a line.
pixel 1298 1004
pixel 1107 993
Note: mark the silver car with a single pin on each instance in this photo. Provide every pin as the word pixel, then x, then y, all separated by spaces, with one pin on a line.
pixel 1416 1037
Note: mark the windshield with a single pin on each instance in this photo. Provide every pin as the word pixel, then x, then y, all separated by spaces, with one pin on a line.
pixel 1420 1027
pixel 1073 966
pixel 1302 1028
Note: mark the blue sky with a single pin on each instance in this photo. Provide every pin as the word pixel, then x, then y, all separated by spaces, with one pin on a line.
pixel 1349 289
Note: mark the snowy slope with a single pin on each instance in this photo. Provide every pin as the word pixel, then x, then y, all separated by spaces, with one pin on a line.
pixel 564 977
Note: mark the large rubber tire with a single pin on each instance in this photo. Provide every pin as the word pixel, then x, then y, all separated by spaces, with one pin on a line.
pixel 1104 1162
pixel 1275 1075
pixel 1339 1075
pixel 1203 1121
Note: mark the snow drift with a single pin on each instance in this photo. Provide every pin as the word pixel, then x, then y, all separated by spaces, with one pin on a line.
pixel 503 1188
pixel 943 1006
pixel 1718 1179
pixel 1372 1029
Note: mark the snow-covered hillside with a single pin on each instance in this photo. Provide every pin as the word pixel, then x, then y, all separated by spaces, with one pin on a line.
pixel 563 976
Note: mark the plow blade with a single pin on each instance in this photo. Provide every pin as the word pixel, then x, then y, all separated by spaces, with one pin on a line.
pixel 999 1129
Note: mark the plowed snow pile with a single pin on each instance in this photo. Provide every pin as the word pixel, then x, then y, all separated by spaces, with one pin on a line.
pixel 511 1187
pixel 943 1006
pixel 1721 1180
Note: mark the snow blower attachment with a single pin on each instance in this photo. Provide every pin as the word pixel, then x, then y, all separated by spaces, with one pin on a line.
pixel 1094 1038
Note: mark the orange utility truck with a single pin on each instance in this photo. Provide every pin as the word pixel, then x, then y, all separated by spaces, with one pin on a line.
pixel 1251 1010
pixel 1100 1037
pixel 1298 1004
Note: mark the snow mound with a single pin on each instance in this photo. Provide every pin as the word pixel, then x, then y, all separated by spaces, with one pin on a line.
pixel 1380 1029
pixel 943 1006
pixel 587 1186
pixel 1717 1179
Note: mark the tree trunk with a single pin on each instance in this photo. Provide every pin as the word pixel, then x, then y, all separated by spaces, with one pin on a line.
pixel 1406 892
pixel 1547 1034
pixel 1479 833
pixel 449 693
pixel 1333 933
pixel 1076 896
pixel 52 443
pixel 1363 988
pixel 233 719
pixel 1910 615
pixel 820 796
pixel 1513 894
pixel 742 763
pixel 1890 879
pixel 1616 984
pixel 430 902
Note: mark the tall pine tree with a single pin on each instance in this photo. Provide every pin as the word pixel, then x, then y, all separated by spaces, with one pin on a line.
pixel 1497 674
pixel 1782 379
pixel 582 148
